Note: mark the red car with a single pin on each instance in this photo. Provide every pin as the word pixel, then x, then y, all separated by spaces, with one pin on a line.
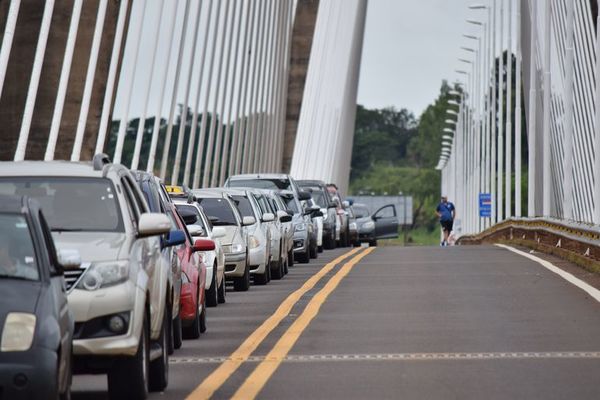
pixel 192 301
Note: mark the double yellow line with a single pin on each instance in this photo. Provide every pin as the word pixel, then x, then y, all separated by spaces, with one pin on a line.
pixel 259 377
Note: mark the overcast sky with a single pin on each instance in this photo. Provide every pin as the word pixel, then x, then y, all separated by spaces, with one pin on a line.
pixel 410 47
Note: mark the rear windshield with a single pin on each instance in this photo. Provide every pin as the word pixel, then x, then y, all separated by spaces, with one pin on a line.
pixel 17 255
pixel 71 204
pixel 271 184
pixel 243 204
pixel 219 211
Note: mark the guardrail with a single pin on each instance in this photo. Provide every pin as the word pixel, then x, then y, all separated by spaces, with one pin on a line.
pixel 575 241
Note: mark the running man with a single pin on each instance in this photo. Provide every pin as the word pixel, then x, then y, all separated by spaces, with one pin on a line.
pixel 446 213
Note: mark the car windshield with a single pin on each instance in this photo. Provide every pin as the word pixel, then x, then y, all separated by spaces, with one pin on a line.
pixel 361 211
pixel 243 204
pixel 262 183
pixel 219 211
pixel 71 204
pixel 17 255
pixel 319 198
pixel 290 203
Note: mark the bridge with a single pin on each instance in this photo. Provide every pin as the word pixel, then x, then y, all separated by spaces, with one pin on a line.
pixel 194 91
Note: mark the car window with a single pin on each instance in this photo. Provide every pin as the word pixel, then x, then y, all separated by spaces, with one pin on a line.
pixel 290 203
pixel 264 207
pixel 319 198
pixel 361 211
pixel 244 206
pixel 219 209
pixel 263 183
pixel 193 210
pixel 50 249
pixel 17 254
pixel 71 204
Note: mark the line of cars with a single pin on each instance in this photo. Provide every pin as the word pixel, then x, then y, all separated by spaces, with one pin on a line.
pixel 107 270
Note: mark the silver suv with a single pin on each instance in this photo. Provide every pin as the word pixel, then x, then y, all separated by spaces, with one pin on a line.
pixel 121 321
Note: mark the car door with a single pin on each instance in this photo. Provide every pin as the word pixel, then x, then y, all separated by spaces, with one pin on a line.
pixel 386 222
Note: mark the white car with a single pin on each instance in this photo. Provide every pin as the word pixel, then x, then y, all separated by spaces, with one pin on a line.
pixel 259 234
pixel 122 322
pixel 284 216
pixel 199 226
pixel 221 211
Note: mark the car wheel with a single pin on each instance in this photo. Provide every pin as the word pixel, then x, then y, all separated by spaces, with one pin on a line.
pixel 373 243
pixel 66 394
pixel 221 292
pixel 278 270
pixel 291 258
pixel 177 338
pixel 193 331
pixel 203 316
pixel 262 279
pixel 128 379
pixel 303 258
pixel 159 368
pixel 169 326
pixel 211 293
pixel 242 283
pixel 320 249
pixel 313 253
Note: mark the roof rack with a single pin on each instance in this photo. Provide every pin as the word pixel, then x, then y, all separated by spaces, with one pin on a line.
pixel 100 160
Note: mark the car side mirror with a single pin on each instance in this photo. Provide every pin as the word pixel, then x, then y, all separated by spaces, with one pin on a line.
pixel 68 259
pixel 246 221
pixel 195 230
pixel 304 195
pixel 203 245
pixel 268 217
pixel 175 238
pixel 153 224
pixel 218 232
pixel 284 216
pixel 318 213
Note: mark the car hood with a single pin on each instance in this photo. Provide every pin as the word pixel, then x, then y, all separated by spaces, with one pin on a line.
pixel 18 296
pixel 230 232
pixel 93 246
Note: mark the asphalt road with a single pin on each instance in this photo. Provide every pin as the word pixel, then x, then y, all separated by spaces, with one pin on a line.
pixel 412 323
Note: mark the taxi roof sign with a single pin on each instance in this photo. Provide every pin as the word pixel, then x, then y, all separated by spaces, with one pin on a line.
pixel 174 189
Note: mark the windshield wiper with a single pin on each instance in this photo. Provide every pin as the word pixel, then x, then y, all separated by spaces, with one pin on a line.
pixel 66 229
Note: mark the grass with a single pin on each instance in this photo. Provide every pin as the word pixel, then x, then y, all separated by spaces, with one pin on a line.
pixel 414 237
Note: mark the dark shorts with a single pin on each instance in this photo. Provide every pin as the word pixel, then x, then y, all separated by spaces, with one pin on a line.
pixel 447 225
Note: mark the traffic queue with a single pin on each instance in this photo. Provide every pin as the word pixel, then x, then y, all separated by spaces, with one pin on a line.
pixel 105 270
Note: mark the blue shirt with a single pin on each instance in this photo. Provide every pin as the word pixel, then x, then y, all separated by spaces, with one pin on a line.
pixel 446 210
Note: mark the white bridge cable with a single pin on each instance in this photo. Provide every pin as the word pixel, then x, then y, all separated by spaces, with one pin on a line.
pixel 34 82
pixel 63 80
pixel 176 84
pixel 7 39
pixel 186 98
pixel 112 76
pixel 89 81
pixel 135 44
pixel 163 87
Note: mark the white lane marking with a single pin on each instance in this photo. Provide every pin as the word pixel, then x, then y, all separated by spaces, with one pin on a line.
pixel 592 291
pixel 404 357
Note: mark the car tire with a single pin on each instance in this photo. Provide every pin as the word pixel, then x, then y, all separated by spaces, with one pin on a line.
pixel 169 326
pixel 291 258
pixel 242 283
pixel 159 368
pixel 128 379
pixel 177 335
pixel 211 293
pixel 262 279
pixel 373 243
pixel 193 331
pixel 304 257
pixel 203 316
pixel 278 269
pixel 313 251
pixel 66 394
pixel 221 292
pixel 286 265
pixel 320 249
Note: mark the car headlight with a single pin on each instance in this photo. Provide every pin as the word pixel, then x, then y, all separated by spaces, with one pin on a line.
pixel 104 274
pixel 300 227
pixel 233 248
pixel 353 226
pixel 17 334
pixel 253 242
pixel 368 225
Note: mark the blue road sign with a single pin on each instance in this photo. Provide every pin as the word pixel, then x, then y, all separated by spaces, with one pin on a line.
pixel 485 205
